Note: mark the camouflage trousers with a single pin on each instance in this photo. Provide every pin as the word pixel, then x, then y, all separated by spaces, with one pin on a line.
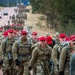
pixel 67 68
pixel 56 71
pixel 7 66
pixel 22 69
pixel 67 71
pixel 41 69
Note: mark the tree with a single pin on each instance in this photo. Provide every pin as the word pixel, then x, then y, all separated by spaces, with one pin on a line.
pixel 60 12
pixel 45 7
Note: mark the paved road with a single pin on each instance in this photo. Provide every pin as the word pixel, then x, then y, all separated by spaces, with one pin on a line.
pixel 4 19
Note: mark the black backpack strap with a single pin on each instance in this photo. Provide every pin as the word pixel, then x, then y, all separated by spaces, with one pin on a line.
pixel 67 53
pixel 29 42
pixel 18 45
pixel 6 41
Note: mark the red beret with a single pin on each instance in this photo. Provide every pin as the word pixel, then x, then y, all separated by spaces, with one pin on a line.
pixel 72 37
pixel 23 33
pixel 49 40
pixel 62 35
pixel 5 34
pixel 10 31
pixel 42 38
pixel 34 33
pixel 67 38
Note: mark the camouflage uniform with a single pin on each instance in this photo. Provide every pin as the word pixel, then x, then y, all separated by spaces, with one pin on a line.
pixel 34 41
pixel 13 17
pixel 6 48
pixel 34 37
pixel 40 58
pixel 65 59
pixel 21 51
pixel 1 55
pixel 8 22
pixel 34 45
pixel 55 57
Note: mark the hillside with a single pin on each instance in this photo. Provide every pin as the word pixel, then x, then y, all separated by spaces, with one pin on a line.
pixel 33 19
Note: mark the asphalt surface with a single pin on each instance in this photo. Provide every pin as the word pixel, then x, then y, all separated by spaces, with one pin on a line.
pixel 5 18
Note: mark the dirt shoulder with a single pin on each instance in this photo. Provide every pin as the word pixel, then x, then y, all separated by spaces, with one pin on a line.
pixel 1 8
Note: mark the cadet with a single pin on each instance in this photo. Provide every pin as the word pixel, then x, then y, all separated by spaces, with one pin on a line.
pixel 62 37
pixel 50 41
pixel 40 58
pixel 8 22
pixel 65 58
pixel 55 57
pixel 57 37
pixel 47 34
pixel 21 54
pixel 35 40
pixel 6 48
pixel 56 54
pixel 15 34
pixel 34 37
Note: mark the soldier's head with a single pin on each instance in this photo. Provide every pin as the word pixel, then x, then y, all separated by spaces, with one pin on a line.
pixel 49 40
pixel 15 33
pixel 62 37
pixel 10 33
pixel 34 36
pixel 24 34
pixel 42 41
pixel 72 40
pixel 47 34
pixel 57 35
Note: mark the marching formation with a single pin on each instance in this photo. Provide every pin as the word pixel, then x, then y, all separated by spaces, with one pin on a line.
pixel 21 54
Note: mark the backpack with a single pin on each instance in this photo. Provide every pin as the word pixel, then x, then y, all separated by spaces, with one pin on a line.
pixel 6 41
pixel 4 51
pixel 67 62
pixel 68 51
pixel 29 42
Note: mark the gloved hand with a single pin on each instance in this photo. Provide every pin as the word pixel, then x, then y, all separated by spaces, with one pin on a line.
pixel 1 62
pixel 58 66
pixel 17 62
pixel 61 73
pixel 29 68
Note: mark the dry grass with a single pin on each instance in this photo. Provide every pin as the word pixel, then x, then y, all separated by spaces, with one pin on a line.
pixel 33 19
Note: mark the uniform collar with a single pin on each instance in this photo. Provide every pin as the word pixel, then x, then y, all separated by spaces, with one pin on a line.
pixel 45 48
pixel 9 38
pixel 22 41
